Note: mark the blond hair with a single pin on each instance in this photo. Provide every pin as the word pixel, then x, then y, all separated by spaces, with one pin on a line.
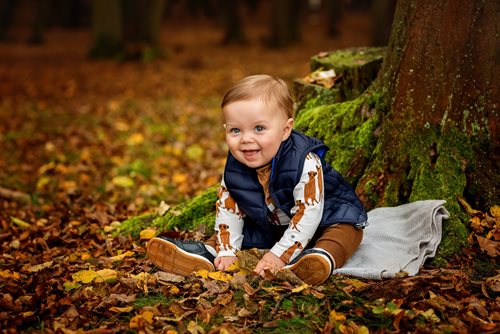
pixel 270 89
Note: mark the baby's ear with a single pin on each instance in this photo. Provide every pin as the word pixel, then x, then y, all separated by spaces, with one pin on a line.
pixel 287 128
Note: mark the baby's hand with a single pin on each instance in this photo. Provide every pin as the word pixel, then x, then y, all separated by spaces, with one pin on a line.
pixel 270 262
pixel 223 262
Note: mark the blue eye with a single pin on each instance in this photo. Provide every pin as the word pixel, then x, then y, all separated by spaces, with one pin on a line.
pixel 259 128
pixel 234 130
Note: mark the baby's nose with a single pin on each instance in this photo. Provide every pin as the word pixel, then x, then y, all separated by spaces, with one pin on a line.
pixel 246 137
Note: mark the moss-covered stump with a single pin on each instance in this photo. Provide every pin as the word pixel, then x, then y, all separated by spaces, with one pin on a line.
pixel 186 216
pixel 354 69
pixel 349 129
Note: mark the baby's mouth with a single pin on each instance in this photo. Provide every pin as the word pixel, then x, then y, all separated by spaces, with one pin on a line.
pixel 250 153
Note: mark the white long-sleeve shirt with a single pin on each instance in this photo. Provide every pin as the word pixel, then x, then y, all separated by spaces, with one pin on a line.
pixel 307 212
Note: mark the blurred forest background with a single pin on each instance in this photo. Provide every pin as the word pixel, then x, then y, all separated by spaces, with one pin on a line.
pixel 96 101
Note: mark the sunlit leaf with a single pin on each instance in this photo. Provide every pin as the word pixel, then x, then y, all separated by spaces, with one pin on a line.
pixel 162 209
pixel 220 276
pixel 135 139
pixel 42 182
pixel 123 181
pixel 179 177
pixel 71 285
pixel 147 233
pixel 21 223
pixel 84 276
pixel 125 309
pixel 9 274
pixel 495 211
pixel 41 266
pixel 195 152
pixel 122 256
pixel 335 317
pixel 300 288
pixel 105 275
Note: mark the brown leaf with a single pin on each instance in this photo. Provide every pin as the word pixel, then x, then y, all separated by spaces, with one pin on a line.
pixel 490 247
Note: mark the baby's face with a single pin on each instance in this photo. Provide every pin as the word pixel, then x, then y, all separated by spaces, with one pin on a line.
pixel 255 130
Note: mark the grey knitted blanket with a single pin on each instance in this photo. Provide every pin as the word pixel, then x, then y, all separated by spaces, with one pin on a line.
pixel 397 239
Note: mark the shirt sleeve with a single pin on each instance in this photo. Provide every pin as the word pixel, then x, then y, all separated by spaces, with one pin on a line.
pixel 307 212
pixel 228 223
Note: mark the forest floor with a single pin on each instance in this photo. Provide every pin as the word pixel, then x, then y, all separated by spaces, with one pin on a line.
pixel 85 144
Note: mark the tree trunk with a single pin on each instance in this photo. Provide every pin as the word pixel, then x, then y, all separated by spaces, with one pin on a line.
pixel 127 29
pixel 232 21
pixel 107 31
pixel 428 126
pixel 284 22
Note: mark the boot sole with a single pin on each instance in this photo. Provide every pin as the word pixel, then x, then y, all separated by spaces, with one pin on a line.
pixel 313 269
pixel 170 258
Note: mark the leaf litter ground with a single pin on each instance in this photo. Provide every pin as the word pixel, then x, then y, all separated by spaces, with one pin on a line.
pixel 92 143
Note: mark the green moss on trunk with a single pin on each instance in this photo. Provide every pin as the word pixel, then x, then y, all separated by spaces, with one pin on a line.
pixel 185 216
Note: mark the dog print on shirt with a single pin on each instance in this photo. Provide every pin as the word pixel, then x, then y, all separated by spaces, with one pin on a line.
pixel 310 189
pixel 297 215
pixel 289 252
pixel 224 236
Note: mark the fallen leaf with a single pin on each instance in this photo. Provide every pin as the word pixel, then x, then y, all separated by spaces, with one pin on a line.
pixel 19 222
pixel 490 247
pixel 38 267
pixel 121 256
pixel 162 209
pixel 105 275
pixel 125 309
pixel 84 276
pixel 123 181
pixel 147 234
pixel 164 277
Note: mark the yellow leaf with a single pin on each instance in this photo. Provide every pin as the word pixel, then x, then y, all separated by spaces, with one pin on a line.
pixel 134 322
pixel 195 152
pixel 300 288
pixel 148 316
pixel 235 266
pixel 142 276
pixel 121 256
pixel 123 181
pixel 105 275
pixel 20 223
pixel 174 290
pixel 363 330
pixel 135 139
pixel 220 276
pixel 334 316
pixel 147 233
pixel 84 276
pixel 38 267
pixel 117 309
pixel 85 256
pixel 42 182
pixel 203 273
pixel 495 211
pixel 8 274
pixel 179 177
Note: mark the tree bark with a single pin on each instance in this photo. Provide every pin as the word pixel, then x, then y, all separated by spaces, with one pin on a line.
pixel 107 29
pixel 427 128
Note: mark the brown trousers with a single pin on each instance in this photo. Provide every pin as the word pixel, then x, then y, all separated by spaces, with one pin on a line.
pixel 339 240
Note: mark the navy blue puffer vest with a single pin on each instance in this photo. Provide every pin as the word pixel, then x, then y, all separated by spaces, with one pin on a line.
pixel 342 205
